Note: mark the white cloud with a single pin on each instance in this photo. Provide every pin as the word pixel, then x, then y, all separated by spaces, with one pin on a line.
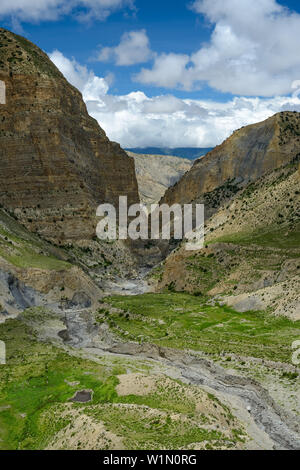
pixel 169 71
pixel 37 10
pixel 92 87
pixel 135 120
pixel 253 50
pixel 134 48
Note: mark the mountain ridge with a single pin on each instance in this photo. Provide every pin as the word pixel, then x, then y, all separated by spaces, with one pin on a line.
pixel 191 153
pixel 245 156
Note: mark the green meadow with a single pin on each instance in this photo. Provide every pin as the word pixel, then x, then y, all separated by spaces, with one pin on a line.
pixel 183 321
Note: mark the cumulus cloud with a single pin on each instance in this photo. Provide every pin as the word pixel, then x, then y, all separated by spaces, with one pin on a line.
pixel 134 48
pixel 33 10
pixel 169 71
pixel 136 120
pixel 92 87
pixel 253 50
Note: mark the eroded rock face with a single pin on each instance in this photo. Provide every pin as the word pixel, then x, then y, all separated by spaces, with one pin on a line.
pixel 247 155
pixel 250 259
pixel 56 163
pixel 156 173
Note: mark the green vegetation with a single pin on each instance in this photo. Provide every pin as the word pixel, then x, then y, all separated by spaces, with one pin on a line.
pixel 206 271
pixel 290 375
pixel 183 321
pixel 246 259
pixel 38 381
pixel 26 258
pixel 160 431
pixel 157 273
pixel 36 60
pixel 34 379
pixel 23 249
pixel 280 238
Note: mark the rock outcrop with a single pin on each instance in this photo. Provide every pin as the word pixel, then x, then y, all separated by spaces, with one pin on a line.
pixel 56 163
pixel 156 173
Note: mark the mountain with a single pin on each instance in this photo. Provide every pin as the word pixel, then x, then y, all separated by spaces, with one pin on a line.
pixel 57 164
pixel 247 155
pixel 190 153
pixel 156 173
pixel 251 187
pixel 93 358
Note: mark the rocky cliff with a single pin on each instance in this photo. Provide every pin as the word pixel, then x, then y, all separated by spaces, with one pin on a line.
pixel 156 173
pixel 56 163
pixel 248 154
pixel 252 248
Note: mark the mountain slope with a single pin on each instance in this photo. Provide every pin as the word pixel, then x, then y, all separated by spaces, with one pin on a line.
pixel 156 173
pixel 57 165
pixel 252 253
pixel 247 155
pixel 34 272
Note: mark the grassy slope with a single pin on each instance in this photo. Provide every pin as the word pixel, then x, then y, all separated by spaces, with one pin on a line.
pixel 24 249
pixel 183 321
pixel 273 237
pixel 251 238
pixel 264 221
pixel 240 260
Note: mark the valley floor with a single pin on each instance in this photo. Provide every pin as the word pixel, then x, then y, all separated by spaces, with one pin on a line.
pixel 164 371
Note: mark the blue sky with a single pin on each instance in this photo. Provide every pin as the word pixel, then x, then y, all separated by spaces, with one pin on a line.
pixel 170 25
pixel 170 73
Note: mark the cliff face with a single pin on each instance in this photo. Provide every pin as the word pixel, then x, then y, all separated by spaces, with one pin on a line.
pixel 156 173
pixel 56 163
pixel 250 188
pixel 252 249
pixel 247 155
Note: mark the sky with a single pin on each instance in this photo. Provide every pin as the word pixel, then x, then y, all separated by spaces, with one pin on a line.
pixel 182 73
